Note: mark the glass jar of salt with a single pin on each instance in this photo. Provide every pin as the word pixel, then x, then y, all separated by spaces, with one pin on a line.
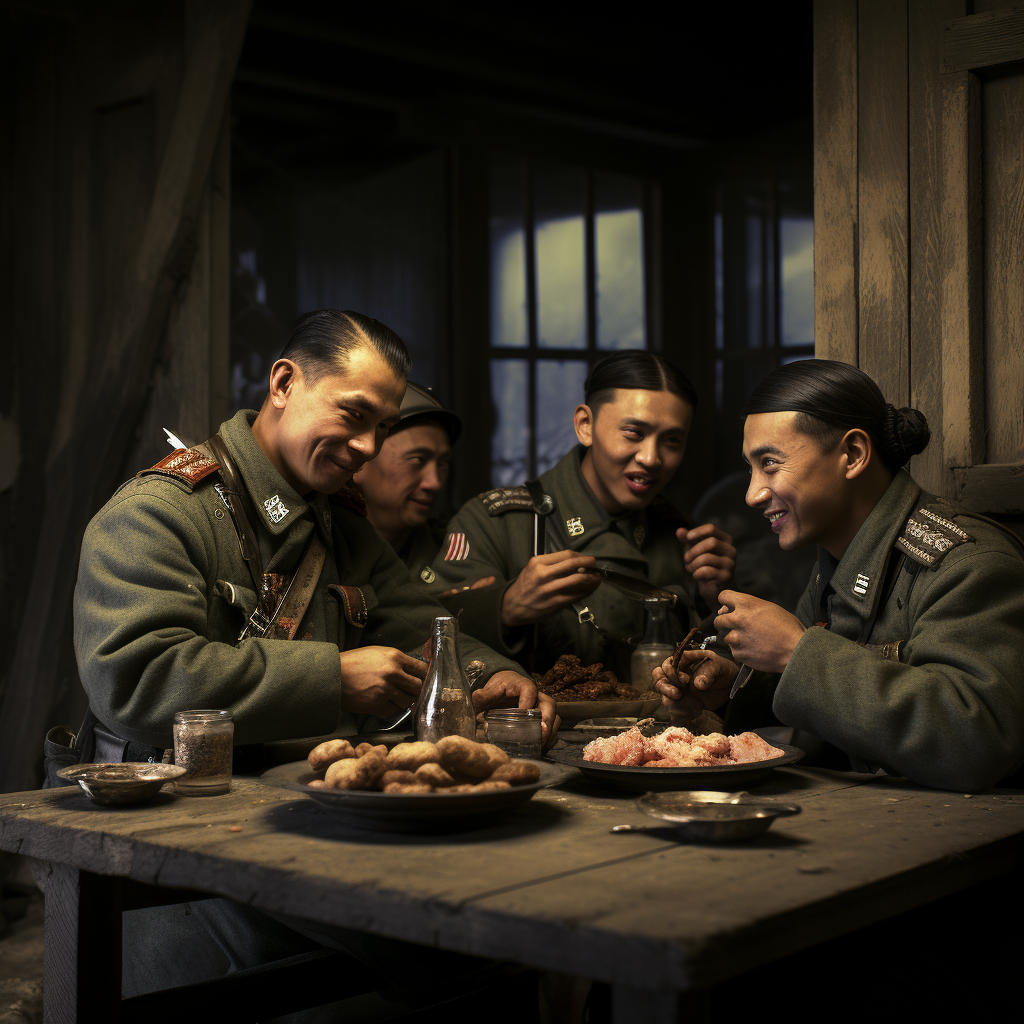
pixel 517 731
pixel 203 745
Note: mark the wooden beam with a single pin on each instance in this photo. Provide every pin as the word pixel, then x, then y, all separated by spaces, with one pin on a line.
pixel 110 404
pixel 983 40
pixel 963 370
pixel 835 180
pixel 991 488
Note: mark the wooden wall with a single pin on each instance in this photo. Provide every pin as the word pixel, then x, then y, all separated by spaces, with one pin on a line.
pixel 114 224
pixel 919 225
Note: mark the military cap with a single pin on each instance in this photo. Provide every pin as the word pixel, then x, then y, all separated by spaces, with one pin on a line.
pixel 420 403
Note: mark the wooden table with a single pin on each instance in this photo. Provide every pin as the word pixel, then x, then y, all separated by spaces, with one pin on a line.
pixel 549 887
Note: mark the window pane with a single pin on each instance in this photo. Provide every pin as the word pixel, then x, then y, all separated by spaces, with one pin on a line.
pixel 508 253
pixel 619 256
pixel 796 245
pixel 560 266
pixel 509 463
pixel 559 391
pixel 755 279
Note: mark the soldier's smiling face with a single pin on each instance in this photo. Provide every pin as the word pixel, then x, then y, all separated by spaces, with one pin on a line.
pixel 636 442
pixel 321 434
pixel 801 490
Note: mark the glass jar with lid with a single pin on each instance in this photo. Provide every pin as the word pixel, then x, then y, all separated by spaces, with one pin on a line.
pixel 203 746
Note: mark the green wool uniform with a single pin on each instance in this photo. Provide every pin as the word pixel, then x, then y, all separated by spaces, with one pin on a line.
pixel 163 594
pixel 938 696
pixel 493 535
pixel 420 548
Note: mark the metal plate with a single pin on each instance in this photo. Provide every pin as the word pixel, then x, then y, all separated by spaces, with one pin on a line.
pixel 639 779
pixel 121 784
pixel 409 812
pixel 578 710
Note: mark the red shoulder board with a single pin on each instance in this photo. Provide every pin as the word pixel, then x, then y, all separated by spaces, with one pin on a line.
pixel 350 497
pixel 187 464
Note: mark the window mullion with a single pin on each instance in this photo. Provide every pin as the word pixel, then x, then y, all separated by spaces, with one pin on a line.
pixel 531 322
pixel 590 261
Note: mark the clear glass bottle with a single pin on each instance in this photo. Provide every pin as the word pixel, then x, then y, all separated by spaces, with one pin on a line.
pixel 655 647
pixel 445 707
pixel 203 746
pixel 517 731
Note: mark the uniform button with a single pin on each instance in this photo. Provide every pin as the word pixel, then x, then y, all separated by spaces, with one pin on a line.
pixel 218 513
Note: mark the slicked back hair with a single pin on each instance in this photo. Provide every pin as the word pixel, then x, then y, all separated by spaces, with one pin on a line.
pixel 322 340
pixel 635 371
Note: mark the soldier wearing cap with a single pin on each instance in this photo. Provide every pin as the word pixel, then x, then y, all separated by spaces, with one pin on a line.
pixel 401 484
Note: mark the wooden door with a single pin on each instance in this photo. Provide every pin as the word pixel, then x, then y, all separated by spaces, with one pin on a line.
pixel 919 225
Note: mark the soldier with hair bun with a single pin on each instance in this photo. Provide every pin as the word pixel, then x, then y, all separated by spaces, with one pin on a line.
pixel 906 648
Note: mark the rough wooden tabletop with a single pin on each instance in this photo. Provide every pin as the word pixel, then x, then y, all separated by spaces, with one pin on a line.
pixel 550 886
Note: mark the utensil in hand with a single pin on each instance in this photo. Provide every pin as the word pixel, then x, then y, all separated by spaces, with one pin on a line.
pixel 632 586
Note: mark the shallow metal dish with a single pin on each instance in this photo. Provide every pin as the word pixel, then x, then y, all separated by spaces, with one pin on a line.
pixel 121 784
pixel 714 817
pixel 409 812
pixel 640 779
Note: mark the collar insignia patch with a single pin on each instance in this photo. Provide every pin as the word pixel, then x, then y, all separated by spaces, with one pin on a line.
pixel 276 509
pixel 574 526
pixel 458 548
pixel 862 584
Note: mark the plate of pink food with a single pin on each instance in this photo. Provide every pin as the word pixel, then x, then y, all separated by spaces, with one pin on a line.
pixel 675 758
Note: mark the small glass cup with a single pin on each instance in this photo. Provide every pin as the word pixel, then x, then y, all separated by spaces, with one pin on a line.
pixel 517 731
pixel 203 746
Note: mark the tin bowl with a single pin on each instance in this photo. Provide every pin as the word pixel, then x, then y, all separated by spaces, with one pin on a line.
pixel 712 817
pixel 123 784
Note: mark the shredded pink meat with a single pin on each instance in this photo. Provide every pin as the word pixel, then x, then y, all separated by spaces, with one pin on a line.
pixel 677 747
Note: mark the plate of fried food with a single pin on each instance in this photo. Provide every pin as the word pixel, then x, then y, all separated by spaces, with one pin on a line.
pixel 592 691
pixel 417 786
pixel 676 758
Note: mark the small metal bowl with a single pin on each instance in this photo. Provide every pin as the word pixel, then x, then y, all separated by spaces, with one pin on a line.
pixel 713 817
pixel 121 785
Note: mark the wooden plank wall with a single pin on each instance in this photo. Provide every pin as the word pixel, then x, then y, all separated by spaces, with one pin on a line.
pixel 919 225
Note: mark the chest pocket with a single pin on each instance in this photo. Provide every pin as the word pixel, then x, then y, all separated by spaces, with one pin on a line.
pixel 230 607
pixel 355 604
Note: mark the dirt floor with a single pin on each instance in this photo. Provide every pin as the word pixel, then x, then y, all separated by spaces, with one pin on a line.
pixel 21 944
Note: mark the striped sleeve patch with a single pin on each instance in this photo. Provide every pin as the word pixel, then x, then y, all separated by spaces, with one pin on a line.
pixel 458 547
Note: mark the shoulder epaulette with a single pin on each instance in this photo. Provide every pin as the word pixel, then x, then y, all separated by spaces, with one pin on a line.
pixel 663 510
pixel 187 464
pixel 499 500
pixel 928 535
pixel 350 497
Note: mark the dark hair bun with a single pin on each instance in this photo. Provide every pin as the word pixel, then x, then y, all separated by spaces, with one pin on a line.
pixel 906 434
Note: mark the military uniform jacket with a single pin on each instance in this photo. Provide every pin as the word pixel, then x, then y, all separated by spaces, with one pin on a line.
pixel 163 594
pixel 420 548
pixel 946 706
pixel 492 535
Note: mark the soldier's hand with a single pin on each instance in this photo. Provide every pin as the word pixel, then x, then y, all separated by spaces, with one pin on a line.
pixel 702 684
pixel 380 680
pixel 452 591
pixel 547 584
pixel 509 689
pixel 710 558
pixel 759 634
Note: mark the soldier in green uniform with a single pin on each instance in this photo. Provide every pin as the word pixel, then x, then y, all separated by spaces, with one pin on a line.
pixel 168 616
pixel 400 485
pixel 599 506
pixel 907 645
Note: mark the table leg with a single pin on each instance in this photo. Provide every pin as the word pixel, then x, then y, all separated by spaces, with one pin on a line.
pixel 630 1005
pixel 82 947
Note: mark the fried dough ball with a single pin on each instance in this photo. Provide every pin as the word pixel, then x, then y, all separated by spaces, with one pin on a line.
pixel 357 773
pixel 517 773
pixel 397 775
pixel 328 752
pixel 410 756
pixel 435 775
pixel 479 787
pixel 477 760
pixel 408 787
pixel 319 784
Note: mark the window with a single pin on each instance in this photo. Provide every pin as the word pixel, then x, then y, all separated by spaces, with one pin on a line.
pixel 567 285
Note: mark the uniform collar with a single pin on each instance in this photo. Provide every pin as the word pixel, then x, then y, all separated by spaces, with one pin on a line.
pixel 277 504
pixel 581 516
pixel 858 578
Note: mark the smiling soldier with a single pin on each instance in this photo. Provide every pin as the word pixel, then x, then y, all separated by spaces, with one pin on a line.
pixel 400 485
pixel 599 506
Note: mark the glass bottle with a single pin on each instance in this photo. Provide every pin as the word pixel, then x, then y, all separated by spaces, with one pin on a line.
pixel 445 707
pixel 203 746
pixel 655 647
